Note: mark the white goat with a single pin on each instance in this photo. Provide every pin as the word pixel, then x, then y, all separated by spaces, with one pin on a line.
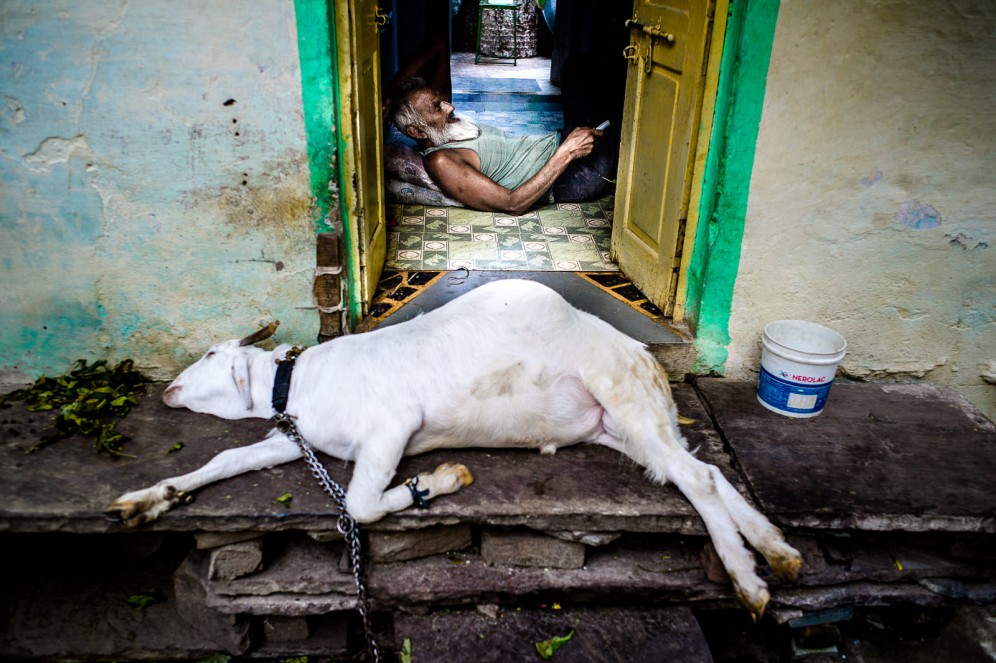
pixel 510 364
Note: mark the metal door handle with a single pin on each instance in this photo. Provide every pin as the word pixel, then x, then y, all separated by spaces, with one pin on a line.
pixel 636 55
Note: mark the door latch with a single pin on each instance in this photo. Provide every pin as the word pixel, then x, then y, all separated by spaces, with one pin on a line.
pixel 655 31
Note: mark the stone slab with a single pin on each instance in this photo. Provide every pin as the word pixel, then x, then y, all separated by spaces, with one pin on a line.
pixel 517 548
pixel 298 565
pixel 383 547
pixel 914 457
pixel 607 634
pixel 328 635
pixel 668 569
pixel 65 487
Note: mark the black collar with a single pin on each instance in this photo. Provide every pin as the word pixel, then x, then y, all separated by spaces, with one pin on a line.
pixel 282 380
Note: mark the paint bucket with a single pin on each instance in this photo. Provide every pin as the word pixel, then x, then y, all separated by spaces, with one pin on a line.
pixel 798 362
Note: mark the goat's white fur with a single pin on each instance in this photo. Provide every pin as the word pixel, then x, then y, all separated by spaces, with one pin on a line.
pixel 510 364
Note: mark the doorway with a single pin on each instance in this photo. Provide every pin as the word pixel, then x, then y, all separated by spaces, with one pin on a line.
pixel 650 55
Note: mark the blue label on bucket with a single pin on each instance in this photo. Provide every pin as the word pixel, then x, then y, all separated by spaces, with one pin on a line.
pixel 791 397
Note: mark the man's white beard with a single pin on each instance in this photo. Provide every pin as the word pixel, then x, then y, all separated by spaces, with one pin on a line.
pixel 459 129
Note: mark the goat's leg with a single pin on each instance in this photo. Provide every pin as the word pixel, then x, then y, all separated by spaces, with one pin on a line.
pixel 147 504
pixel 698 484
pixel 767 539
pixel 666 459
pixel 369 500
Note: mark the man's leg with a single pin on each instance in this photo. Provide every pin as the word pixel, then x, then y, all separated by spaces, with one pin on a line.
pixel 593 176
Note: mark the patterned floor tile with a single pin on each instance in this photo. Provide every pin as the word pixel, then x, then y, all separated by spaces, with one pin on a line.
pixel 557 237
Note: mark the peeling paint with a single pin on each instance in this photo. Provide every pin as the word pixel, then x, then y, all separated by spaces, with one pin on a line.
pixel 13 110
pixel 965 242
pixel 55 150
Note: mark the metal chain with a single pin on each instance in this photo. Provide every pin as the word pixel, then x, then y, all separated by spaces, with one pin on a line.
pixel 346 525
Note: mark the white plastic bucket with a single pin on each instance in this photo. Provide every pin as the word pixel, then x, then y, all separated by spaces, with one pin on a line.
pixel 798 362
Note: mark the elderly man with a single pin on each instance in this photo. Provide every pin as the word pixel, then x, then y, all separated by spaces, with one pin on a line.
pixel 488 169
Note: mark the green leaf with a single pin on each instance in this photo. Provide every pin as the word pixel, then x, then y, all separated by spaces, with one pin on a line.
pixel 87 399
pixel 215 658
pixel 145 599
pixel 547 648
pixel 405 655
pixel 284 499
pixel 173 449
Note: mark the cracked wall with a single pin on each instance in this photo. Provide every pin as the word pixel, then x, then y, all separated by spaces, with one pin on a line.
pixel 154 191
pixel 872 202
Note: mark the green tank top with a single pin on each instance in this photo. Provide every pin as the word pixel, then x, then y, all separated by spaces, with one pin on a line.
pixel 508 159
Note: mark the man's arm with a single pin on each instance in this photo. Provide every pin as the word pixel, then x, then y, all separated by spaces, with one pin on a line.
pixel 461 178
pixel 432 63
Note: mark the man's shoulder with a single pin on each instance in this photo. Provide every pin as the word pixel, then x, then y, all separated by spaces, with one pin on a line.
pixel 451 156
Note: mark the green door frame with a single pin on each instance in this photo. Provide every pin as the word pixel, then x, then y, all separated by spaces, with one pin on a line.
pixel 715 260
pixel 712 270
pixel 320 94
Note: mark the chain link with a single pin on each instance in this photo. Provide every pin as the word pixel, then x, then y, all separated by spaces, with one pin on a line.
pixel 346 525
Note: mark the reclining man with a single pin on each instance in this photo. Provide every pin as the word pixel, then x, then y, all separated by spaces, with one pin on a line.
pixel 488 169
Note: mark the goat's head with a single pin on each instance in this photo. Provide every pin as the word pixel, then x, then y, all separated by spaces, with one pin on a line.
pixel 219 383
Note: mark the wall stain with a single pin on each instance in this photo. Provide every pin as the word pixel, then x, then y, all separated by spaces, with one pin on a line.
pixel 274 201
pixel 916 216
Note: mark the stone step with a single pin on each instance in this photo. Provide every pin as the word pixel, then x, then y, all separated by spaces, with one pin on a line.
pixel 912 457
pixel 304 576
pixel 596 635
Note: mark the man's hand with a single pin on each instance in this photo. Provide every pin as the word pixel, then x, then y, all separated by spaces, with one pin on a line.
pixel 580 142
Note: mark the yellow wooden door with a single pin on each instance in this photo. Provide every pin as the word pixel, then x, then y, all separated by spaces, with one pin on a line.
pixel 357 23
pixel 669 40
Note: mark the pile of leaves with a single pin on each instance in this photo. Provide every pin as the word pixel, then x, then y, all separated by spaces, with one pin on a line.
pixel 88 400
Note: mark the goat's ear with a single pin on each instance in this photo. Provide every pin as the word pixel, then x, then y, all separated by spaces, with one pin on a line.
pixel 240 375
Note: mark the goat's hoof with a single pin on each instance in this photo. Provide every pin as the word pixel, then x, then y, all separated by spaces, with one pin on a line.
pixel 788 568
pixel 450 477
pixel 144 506
pixel 461 472
pixel 755 601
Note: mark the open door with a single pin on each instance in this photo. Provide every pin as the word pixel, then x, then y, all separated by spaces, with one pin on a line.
pixel 665 82
pixel 357 23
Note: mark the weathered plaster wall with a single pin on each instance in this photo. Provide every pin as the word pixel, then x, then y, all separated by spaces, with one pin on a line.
pixel 154 192
pixel 872 206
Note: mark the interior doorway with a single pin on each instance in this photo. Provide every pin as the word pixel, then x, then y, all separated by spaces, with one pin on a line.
pixel 505 72
pixel 638 52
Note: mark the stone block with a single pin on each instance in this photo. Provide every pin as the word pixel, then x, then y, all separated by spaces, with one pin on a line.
pixel 208 540
pixel 285 629
pixel 229 632
pixel 413 544
pixel 587 538
pixel 530 549
pixel 236 560
pixel 713 565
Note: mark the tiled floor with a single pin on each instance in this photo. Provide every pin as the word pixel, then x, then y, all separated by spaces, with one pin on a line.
pixel 566 237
